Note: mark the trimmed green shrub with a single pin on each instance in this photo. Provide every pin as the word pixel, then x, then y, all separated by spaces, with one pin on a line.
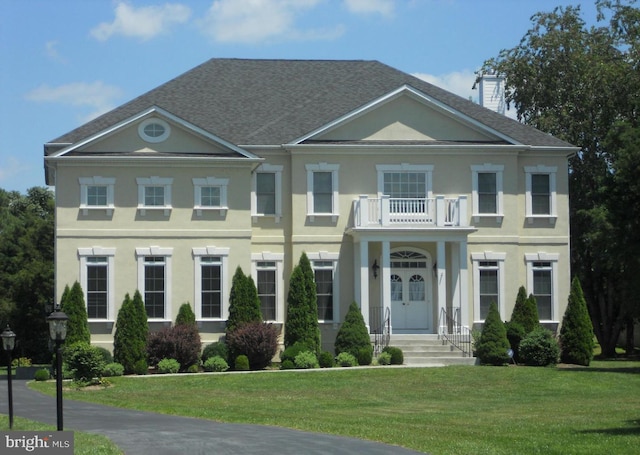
pixel 141 367
pixel 301 324
pixel 113 369
pixel 493 345
pixel 130 338
pixel 42 375
pixel 78 324
pixel 525 311
pixel 168 366
pixel 216 364
pixel 576 333
pixel 345 359
pixel 353 336
pixel 84 360
pixel 292 351
pixel 306 360
pixel 186 316
pixel 180 342
pixel 325 360
pixel 397 356
pixel 244 303
pixel 217 348
pixel 287 365
pixel 195 368
pixel 106 355
pixel 257 340
pixel 539 348
pixel 242 363
pixel 384 358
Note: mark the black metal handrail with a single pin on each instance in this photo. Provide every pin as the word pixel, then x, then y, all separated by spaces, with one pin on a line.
pixel 451 330
pixel 381 328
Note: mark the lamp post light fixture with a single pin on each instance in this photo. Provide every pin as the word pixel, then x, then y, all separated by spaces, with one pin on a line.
pixel 58 332
pixel 375 268
pixel 8 343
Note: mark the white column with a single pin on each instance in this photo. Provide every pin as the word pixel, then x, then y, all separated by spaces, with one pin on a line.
pixel 441 282
pixel 363 274
pixel 464 284
pixel 455 277
pixel 385 280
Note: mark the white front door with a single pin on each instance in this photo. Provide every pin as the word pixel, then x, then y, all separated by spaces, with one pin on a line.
pixel 411 306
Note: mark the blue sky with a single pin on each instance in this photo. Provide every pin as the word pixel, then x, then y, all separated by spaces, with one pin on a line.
pixel 65 62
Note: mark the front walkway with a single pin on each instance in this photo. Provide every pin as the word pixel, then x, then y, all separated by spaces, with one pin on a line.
pixel 145 433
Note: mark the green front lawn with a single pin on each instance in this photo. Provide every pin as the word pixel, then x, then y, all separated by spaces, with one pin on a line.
pixel 450 410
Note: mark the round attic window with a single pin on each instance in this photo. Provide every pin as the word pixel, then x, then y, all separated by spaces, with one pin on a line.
pixel 154 130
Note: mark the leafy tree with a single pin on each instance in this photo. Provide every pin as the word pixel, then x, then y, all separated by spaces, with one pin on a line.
pixel 74 307
pixel 578 83
pixel 301 324
pixel 186 316
pixel 493 345
pixel 130 339
pixel 26 268
pixel 353 336
pixel 576 333
pixel 244 303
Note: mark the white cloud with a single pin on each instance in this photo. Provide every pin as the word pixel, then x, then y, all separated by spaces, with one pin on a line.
pixel 254 21
pixel 382 7
pixel 97 96
pixel 52 52
pixel 145 22
pixel 12 166
pixel 458 82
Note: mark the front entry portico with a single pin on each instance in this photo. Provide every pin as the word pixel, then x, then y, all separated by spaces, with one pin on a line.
pixel 411 292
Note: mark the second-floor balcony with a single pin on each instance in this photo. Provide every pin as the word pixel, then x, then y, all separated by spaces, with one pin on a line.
pixel 385 211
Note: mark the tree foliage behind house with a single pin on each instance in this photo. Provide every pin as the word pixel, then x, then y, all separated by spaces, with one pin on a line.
pixel 301 324
pixel 26 269
pixel 130 339
pixel 580 84
pixel 74 307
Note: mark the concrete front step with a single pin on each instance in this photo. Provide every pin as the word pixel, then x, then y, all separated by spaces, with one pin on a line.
pixel 428 350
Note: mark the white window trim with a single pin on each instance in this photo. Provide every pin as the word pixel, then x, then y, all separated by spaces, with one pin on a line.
pixel 405 167
pixel 476 258
pixel 323 167
pixel 530 258
pixel 199 183
pixel 266 168
pixel 540 169
pixel 151 139
pixel 198 254
pixel 96 180
pixel 144 182
pixel 498 169
pixel 167 253
pixel 83 254
pixel 278 258
pixel 333 257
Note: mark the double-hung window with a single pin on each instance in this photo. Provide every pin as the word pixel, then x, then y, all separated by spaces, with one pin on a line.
pixel 408 187
pixel 487 192
pixel 324 271
pixel 210 193
pixel 322 190
pixel 542 283
pixel 211 291
pixel 266 271
pixel 97 193
pixel 489 283
pixel 154 193
pixel 266 197
pixel 540 192
pixel 154 281
pixel 97 281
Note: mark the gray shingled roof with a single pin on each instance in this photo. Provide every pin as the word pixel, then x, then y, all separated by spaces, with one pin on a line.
pixel 273 102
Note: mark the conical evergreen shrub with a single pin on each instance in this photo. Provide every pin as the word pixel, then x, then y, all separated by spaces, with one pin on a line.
pixel 353 336
pixel 130 338
pixel 525 311
pixel 301 324
pixel 493 346
pixel 74 307
pixel 576 333
pixel 186 316
pixel 244 303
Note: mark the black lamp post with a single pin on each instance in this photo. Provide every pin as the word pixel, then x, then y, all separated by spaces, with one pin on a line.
pixel 58 332
pixel 8 343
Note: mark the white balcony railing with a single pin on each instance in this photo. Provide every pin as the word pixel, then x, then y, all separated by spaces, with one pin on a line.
pixel 387 211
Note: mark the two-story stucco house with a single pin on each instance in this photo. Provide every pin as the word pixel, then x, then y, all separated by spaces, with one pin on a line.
pixel 411 201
